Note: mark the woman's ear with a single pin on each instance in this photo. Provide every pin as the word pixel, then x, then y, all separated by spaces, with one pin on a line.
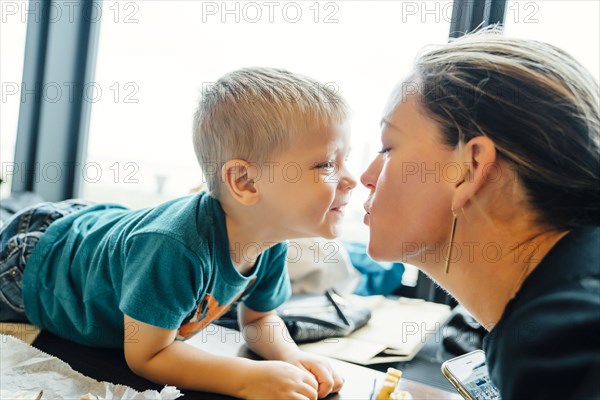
pixel 237 179
pixel 478 160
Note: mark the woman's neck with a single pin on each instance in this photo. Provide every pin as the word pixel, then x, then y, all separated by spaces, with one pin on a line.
pixel 492 266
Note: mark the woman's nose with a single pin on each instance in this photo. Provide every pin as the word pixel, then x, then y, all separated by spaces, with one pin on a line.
pixel 369 177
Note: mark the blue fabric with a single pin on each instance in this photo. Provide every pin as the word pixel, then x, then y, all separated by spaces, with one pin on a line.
pixel 168 266
pixel 17 241
pixel 376 277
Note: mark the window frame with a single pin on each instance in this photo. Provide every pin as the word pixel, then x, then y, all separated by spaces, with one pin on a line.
pixel 60 54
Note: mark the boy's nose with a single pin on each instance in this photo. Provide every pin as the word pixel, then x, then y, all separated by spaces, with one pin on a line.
pixel 347 180
pixel 350 182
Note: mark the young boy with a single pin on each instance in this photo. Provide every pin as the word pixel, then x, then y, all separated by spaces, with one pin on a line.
pixel 272 146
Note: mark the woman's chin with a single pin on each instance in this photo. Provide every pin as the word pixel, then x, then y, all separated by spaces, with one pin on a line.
pixel 379 253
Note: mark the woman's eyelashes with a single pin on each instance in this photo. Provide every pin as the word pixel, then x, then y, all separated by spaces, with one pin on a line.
pixel 384 150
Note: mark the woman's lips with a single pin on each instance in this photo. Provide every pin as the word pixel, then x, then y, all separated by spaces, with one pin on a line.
pixel 367 218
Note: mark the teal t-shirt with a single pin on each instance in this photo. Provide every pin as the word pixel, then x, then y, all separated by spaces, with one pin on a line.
pixel 168 266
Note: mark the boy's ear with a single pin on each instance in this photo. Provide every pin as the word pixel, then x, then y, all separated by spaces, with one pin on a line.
pixel 478 161
pixel 237 179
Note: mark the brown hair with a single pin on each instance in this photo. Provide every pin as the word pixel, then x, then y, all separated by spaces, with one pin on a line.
pixel 537 104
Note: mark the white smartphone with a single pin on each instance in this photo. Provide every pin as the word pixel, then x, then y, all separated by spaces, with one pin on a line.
pixel 469 376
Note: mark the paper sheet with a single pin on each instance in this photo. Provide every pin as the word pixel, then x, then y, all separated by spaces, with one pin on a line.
pixel 396 331
pixel 24 368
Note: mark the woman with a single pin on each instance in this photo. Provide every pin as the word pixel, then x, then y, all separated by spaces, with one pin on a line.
pixel 488 181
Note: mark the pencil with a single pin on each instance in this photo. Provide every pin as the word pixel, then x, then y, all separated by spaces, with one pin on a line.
pixel 337 307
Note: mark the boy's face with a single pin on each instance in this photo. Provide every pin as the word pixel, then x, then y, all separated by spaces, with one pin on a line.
pixel 305 188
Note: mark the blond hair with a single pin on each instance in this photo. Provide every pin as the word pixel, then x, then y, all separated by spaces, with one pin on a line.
pixel 539 106
pixel 253 113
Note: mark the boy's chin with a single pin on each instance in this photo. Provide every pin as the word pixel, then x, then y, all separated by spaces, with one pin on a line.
pixel 333 233
pixel 329 231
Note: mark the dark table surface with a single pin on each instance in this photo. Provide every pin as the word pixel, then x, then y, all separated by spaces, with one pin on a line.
pixel 109 365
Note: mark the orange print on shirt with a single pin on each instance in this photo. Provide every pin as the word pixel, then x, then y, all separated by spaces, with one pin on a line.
pixel 215 310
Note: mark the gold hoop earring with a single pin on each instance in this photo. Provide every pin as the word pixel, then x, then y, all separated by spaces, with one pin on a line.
pixel 451 241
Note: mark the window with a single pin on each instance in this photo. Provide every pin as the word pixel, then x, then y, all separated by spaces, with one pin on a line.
pixel 12 43
pixel 571 25
pixel 154 58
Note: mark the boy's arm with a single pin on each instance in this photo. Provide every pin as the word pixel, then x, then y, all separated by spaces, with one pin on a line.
pixel 154 353
pixel 266 334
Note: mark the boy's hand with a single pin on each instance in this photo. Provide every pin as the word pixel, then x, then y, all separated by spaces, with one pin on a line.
pixel 275 347
pixel 328 379
pixel 278 380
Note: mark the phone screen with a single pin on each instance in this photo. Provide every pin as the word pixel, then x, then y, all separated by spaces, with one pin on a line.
pixel 472 374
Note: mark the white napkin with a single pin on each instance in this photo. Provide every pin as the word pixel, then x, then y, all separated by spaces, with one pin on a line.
pixel 24 368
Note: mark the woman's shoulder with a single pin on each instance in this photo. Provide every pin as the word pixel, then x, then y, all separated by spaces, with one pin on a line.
pixel 552 339
pixel 576 254
pixel 549 335
pixel 559 315
pixel 565 283
pixel 561 297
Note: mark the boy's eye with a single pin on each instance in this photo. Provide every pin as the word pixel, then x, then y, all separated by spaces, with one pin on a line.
pixel 326 165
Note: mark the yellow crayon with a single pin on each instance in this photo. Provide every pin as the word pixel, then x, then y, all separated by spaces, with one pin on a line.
pixel 394 372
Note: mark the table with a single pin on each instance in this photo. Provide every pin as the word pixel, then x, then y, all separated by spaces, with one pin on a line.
pixel 109 365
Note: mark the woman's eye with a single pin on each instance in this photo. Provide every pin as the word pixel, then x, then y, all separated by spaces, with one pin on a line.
pixel 384 150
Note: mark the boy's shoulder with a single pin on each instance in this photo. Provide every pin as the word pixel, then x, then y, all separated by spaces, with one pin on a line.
pixel 188 219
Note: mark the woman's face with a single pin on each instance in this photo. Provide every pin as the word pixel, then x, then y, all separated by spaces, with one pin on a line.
pixel 411 183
